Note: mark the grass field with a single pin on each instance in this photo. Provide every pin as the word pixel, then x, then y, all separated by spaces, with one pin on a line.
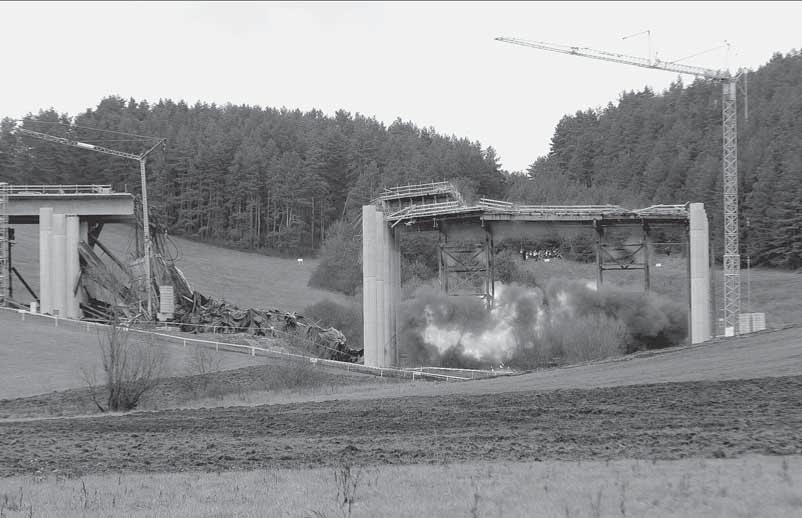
pixel 38 357
pixel 752 486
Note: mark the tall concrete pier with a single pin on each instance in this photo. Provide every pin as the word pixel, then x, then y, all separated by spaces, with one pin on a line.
pixel 59 266
pixel 45 258
pixel 381 288
pixel 699 258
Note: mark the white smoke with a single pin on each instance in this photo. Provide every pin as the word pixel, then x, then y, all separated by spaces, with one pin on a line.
pixel 534 322
pixel 507 320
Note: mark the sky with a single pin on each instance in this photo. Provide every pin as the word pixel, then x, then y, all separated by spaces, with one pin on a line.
pixel 435 64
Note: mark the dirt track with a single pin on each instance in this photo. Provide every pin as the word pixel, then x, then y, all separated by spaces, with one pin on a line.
pixel 665 421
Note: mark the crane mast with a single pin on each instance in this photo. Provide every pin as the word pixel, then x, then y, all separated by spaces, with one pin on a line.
pixel 141 158
pixel 5 270
pixel 732 259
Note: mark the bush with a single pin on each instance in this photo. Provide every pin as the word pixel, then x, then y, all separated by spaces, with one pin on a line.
pixel 506 268
pixel 340 267
pixel 509 270
pixel 420 249
pixel 133 366
pixel 415 272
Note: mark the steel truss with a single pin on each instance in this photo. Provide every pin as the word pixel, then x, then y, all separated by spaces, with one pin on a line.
pixel 468 269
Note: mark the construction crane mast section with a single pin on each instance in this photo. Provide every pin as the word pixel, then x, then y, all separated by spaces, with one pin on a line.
pixel 732 259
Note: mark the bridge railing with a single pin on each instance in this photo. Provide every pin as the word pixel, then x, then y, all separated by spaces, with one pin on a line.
pixel 60 189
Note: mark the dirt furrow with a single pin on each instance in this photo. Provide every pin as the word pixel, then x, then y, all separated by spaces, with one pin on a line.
pixel 665 421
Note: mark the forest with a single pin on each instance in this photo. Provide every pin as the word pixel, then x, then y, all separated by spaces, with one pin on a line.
pixel 280 180
pixel 273 180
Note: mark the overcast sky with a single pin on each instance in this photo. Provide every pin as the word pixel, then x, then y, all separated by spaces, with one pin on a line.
pixel 434 64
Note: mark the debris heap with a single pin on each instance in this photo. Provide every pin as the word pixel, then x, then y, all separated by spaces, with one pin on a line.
pixel 115 290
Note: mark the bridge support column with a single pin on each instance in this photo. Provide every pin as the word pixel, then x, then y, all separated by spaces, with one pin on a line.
pixel 699 259
pixel 45 286
pixel 73 268
pixel 59 265
pixel 381 288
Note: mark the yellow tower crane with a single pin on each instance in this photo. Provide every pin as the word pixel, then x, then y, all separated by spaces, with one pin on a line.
pixel 729 82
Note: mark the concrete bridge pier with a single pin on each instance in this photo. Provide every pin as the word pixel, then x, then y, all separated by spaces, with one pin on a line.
pixel 59 265
pixel 381 288
pixel 699 269
pixel 45 259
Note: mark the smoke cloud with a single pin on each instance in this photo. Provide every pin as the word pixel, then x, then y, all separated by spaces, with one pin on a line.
pixel 563 322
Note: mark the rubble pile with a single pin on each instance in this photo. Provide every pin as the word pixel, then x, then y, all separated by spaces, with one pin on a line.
pixel 201 314
pixel 115 290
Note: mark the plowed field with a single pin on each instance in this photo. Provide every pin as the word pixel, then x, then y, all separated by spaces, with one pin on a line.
pixel 663 421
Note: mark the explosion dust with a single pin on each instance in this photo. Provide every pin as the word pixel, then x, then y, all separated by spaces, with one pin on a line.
pixel 531 327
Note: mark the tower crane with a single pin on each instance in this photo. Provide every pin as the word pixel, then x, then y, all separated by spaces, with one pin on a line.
pixel 141 158
pixel 731 259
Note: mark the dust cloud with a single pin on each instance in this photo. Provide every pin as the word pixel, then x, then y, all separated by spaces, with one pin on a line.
pixel 563 322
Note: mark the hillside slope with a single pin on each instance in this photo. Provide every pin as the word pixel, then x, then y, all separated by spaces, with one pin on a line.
pixel 761 355
pixel 38 357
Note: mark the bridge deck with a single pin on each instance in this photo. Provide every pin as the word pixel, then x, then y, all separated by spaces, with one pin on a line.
pixel 96 202
pixel 494 210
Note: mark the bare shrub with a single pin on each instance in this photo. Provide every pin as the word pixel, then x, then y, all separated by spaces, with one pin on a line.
pixel 347 478
pixel 132 367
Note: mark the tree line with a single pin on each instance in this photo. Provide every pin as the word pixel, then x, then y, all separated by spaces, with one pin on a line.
pixel 244 176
